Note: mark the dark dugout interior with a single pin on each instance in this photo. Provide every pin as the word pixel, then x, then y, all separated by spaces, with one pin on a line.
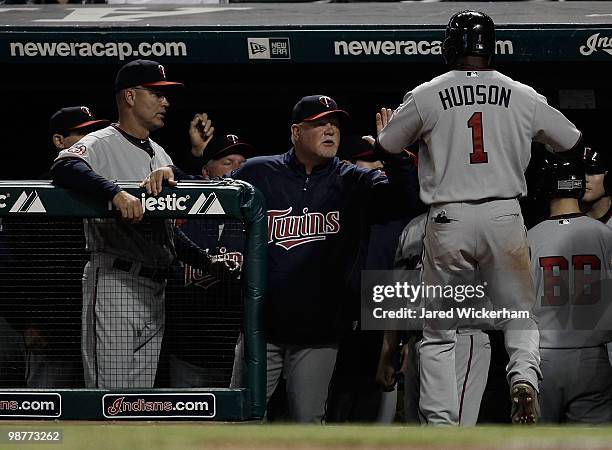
pixel 255 100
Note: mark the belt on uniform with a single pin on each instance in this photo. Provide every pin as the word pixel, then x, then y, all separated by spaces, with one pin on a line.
pixel 157 275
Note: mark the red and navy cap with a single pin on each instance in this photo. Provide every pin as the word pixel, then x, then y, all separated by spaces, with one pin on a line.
pixel 314 107
pixel 143 72
pixel 74 118
pixel 222 145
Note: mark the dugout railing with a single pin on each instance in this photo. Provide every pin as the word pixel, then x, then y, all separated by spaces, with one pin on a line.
pixel 32 214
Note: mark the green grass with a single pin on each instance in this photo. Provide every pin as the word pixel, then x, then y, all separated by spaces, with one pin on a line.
pixel 153 436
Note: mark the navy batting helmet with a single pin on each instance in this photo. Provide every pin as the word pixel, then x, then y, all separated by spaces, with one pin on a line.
pixel 469 33
pixel 595 162
pixel 557 177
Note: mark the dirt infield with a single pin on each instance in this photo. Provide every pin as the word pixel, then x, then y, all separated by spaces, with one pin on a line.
pixel 206 435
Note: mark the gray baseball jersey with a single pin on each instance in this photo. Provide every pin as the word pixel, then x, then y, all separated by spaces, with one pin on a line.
pixel 569 255
pixel 123 283
pixel 475 130
pixel 472 349
pixel 564 250
pixel 108 153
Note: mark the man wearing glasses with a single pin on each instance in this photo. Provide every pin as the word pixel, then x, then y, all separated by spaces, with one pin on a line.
pixel 125 278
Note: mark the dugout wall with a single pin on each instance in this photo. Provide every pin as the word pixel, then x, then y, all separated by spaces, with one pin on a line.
pixel 247 64
pixel 42 255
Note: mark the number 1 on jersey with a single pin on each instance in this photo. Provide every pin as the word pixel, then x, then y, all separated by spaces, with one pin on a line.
pixel 478 155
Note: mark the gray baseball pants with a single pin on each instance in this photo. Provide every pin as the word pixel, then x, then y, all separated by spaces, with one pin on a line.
pixel 577 385
pixel 308 371
pixel 488 236
pixel 122 326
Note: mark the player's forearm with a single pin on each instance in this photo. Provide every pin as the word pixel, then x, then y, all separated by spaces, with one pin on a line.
pixel 180 175
pixel 390 344
pixel 189 252
pixel 398 197
pixel 76 174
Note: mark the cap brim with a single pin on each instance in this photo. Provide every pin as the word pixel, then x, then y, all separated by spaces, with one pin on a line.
pixel 163 84
pixel 240 148
pixel 89 123
pixel 327 113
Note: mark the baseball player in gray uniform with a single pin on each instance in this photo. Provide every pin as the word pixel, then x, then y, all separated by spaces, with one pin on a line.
pixel 475 126
pixel 124 280
pixel 577 385
pixel 472 350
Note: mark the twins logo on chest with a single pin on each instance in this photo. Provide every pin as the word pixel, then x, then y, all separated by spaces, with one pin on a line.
pixel 289 231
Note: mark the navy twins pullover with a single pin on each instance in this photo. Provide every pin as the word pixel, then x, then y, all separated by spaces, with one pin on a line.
pixel 315 224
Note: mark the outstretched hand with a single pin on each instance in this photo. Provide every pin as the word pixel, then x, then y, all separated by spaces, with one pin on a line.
pixel 382 119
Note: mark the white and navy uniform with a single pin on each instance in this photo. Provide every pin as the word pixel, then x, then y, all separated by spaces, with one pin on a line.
pixel 475 130
pixel 570 255
pixel 472 351
pixel 125 278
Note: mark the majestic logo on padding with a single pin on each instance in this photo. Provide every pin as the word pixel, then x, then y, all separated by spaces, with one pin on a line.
pixel 207 205
pixel 28 203
pixel 595 43
pixel 290 231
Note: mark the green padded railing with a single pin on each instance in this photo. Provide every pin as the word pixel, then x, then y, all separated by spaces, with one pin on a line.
pixel 204 199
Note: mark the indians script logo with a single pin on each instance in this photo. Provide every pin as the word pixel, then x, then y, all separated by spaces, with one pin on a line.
pixel 594 43
pixel 86 110
pixel 162 71
pixel 289 231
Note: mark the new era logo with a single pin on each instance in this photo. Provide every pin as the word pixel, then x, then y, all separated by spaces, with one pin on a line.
pixel 28 203
pixel 257 48
pixel 207 206
pixel 269 48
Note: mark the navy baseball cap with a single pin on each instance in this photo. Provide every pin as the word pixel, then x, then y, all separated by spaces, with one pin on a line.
pixel 143 72
pixel 74 118
pixel 222 145
pixel 353 148
pixel 313 107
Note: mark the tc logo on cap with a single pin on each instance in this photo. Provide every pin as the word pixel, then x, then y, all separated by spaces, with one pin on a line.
pixel 232 138
pixel 325 100
pixel 162 71
pixel 86 110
